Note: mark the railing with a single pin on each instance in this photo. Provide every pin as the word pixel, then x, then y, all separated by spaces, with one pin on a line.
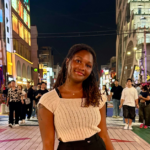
pixel 138 1
pixel 142 25
pixel 141 40
pixel 141 11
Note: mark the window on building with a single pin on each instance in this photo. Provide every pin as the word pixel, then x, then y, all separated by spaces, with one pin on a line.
pixel 14 4
pixel 15 23
pixel 7 40
pixel 29 21
pixel 21 33
pixel 6 5
pixel 20 9
pixel 8 29
pixel 139 10
pixel 25 17
pixel 6 20
pixel 26 35
pixel 29 38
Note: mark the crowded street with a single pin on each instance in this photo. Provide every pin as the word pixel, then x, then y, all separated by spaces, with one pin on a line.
pixel 75 75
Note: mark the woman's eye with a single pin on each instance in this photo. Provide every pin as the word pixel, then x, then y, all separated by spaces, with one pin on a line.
pixel 88 66
pixel 78 61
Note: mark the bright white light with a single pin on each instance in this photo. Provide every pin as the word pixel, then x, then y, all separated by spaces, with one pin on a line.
pixel 128 53
pixel 135 48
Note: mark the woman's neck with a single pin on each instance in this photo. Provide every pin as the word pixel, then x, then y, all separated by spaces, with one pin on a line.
pixel 70 85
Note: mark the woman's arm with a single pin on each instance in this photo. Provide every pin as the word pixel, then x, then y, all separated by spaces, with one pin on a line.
pixel 46 124
pixel 146 99
pixel 104 134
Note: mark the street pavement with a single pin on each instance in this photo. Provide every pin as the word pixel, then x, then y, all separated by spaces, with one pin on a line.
pixel 27 137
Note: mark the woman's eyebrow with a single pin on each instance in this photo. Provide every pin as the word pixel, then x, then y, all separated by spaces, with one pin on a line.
pixel 82 58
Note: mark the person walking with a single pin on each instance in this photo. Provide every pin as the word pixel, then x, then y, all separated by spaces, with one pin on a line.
pixel 29 100
pixel 129 100
pixel 144 110
pixel 104 92
pixel 138 88
pixel 13 101
pixel 23 105
pixel 41 92
pixel 75 109
pixel 116 96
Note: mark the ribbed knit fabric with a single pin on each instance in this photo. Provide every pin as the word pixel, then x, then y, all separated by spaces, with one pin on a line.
pixel 72 122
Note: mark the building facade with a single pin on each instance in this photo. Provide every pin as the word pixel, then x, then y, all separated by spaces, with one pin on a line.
pixel 132 44
pixel 18 40
pixel 56 70
pixel 34 54
pixel 46 64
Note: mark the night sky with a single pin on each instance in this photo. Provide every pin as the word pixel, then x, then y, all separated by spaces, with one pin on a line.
pixel 65 16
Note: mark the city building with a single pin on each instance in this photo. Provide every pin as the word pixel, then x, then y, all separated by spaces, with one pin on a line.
pixel 133 40
pixel 3 63
pixel 46 64
pixel 108 73
pixel 56 70
pixel 18 40
pixel 34 54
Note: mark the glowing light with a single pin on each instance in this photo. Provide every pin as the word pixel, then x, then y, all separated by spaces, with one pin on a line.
pixel 20 9
pixel 29 21
pixel 21 34
pixel 25 17
pixel 24 58
pixel 135 48
pixel 9 63
pixel 15 23
pixel 128 53
pixel 14 4
pixel 1 15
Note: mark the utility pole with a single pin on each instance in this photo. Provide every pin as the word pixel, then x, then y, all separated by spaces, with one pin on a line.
pixel 145 58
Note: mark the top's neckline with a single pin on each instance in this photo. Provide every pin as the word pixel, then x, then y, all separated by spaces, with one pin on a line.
pixel 67 98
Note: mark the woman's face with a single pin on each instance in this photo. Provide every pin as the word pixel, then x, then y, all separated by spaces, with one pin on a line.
pixel 80 67
pixel 19 87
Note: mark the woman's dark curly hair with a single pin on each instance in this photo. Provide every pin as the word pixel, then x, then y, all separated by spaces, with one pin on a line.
pixel 90 85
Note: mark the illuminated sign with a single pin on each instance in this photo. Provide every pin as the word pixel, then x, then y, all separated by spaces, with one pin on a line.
pixel 106 72
pixel 148 77
pixel 1 15
pixel 8 24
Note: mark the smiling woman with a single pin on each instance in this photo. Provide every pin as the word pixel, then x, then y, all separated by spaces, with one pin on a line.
pixel 75 108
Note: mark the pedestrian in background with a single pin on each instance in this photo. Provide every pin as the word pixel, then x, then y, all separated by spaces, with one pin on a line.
pixel 13 101
pixel 104 92
pixel 41 91
pixel 116 96
pixel 34 103
pixel 144 110
pixel 29 100
pixel 129 100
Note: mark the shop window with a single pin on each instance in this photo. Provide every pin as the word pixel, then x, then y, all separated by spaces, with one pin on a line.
pixel 21 33
pixel 14 4
pixel 15 23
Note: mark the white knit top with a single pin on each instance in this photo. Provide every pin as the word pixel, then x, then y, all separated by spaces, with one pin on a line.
pixel 72 122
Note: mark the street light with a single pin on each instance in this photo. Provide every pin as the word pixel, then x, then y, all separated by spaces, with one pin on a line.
pixel 128 53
